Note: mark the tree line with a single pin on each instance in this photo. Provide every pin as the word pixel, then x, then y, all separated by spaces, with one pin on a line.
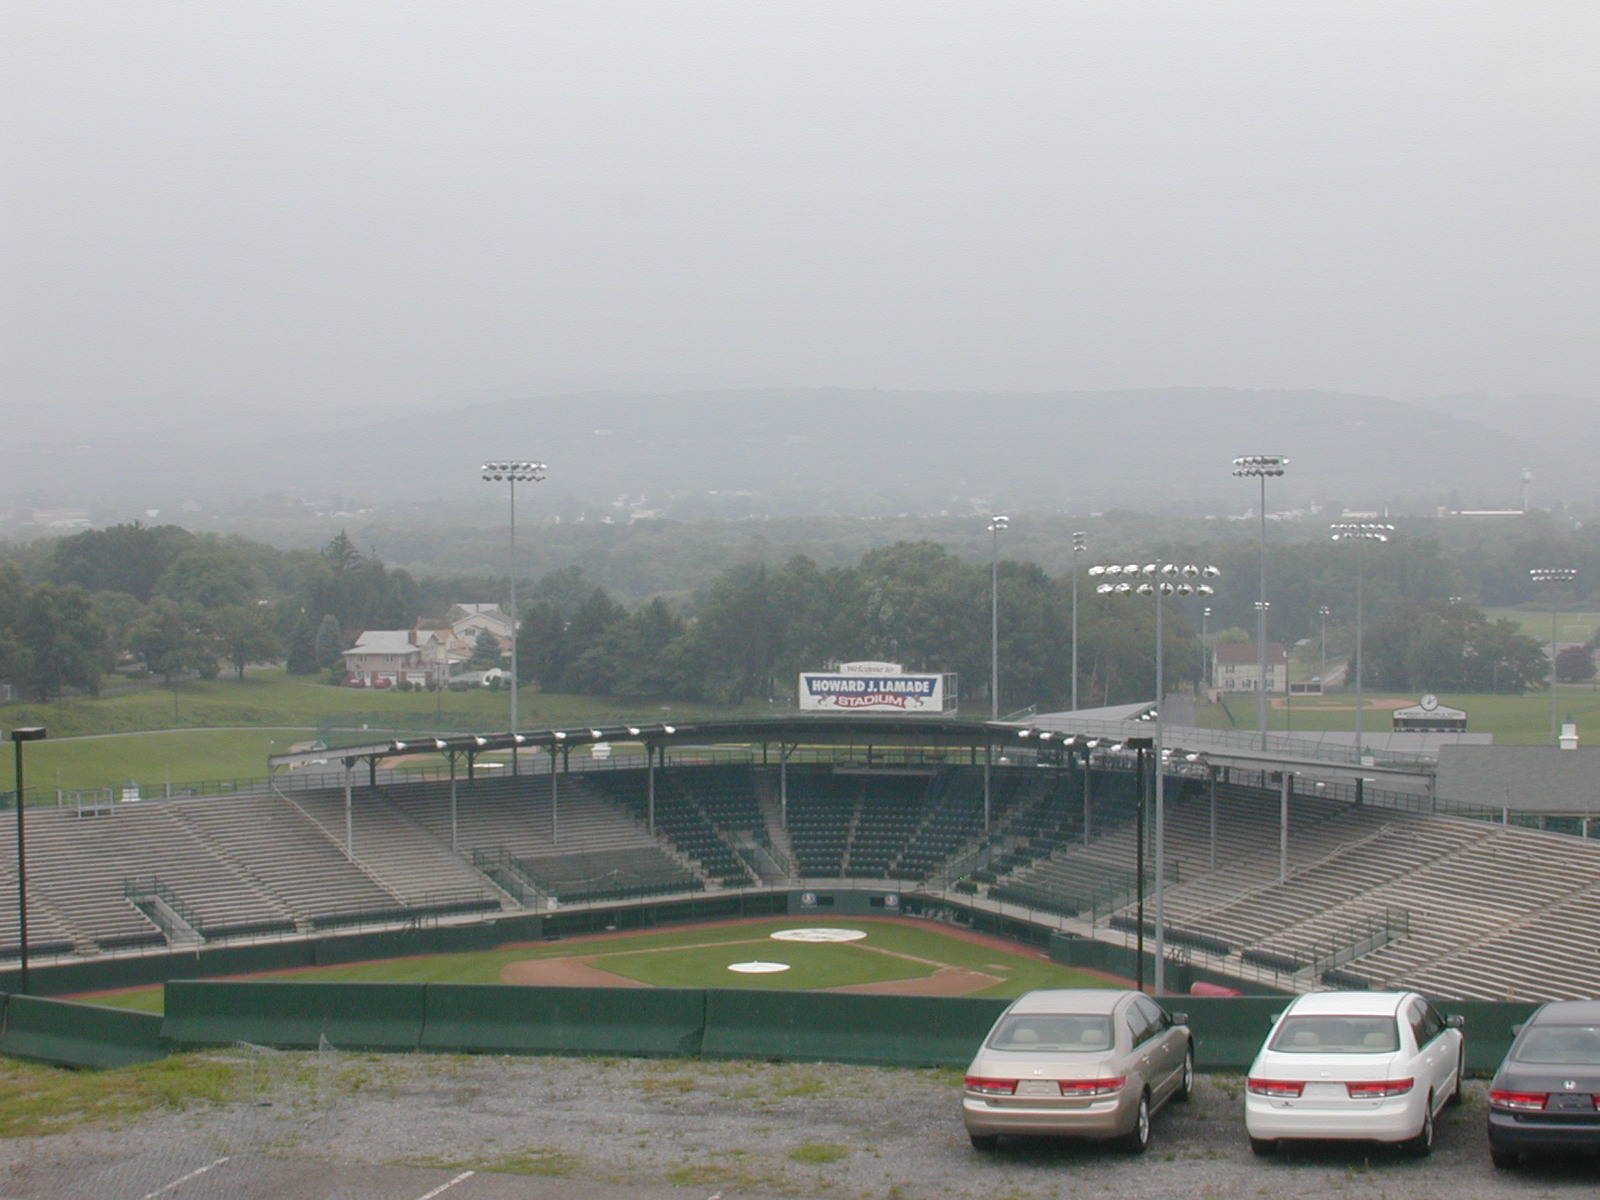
pixel 179 603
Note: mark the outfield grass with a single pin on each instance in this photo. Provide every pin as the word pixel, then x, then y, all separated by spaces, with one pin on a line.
pixel 1514 720
pixel 1570 626
pixel 698 956
pixel 226 728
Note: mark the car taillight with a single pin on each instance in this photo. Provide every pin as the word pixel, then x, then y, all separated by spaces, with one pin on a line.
pixel 1275 1087
pixel 1093 1087
pixel 1379 1088
pixel 1520 1101
pixel 991 1087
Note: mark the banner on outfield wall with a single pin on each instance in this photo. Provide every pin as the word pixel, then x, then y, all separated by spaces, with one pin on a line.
pixel 876 687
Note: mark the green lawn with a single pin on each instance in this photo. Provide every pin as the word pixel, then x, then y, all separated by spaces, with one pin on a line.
pixel 698 956
pixel 1514 720
pixel 226 728
pixel 1570 626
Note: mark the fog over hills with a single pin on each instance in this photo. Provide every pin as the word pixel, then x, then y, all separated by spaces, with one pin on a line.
pixel 772 451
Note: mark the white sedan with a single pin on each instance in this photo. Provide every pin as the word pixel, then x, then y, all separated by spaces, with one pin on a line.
pixel 1373 1066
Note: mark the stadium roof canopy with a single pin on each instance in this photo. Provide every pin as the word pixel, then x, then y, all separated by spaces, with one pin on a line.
pixel 786 730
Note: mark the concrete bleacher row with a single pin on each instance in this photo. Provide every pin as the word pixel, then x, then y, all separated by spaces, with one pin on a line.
pixel 1492 911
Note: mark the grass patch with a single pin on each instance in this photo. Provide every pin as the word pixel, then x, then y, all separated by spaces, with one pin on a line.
pixel 1514 720
pixel 818 1153
pixel 36 1100
pixel 553 1163
pixel 244 720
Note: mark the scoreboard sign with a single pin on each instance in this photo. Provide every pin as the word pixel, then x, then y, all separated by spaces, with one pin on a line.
pixel 876 687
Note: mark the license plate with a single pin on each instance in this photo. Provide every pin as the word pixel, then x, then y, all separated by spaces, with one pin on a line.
pixel 1038 1087
pixel 1571 1102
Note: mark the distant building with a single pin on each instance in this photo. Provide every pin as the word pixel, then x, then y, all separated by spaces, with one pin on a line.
pixel 1234 667
pixel 468 620
pixel 385 657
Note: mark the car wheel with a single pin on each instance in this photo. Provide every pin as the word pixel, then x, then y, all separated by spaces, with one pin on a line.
pixel 1505 1160
pixel 1460 1094
pixel 1422 1145
pixel 1137 1139
pixel 1263 1147
pixel 984 1141
pixel 1186 1082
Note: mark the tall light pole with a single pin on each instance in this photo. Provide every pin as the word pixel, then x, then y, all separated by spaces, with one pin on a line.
pixel 1158 579
pixel 1205 645
pixel 1359 532
pixel 997 526
pixel 513 473
pixel 1079 545
pixel 28 733
pixel 1261 466
pixel 1322 611
pixel 1553 575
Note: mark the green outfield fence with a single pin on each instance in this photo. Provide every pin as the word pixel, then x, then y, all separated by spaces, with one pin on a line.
pixel 897 1031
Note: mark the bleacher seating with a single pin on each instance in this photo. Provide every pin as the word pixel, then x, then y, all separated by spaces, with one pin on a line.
pixel 1491 911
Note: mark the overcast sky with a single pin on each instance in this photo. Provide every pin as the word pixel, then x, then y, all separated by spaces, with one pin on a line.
pixel 349 202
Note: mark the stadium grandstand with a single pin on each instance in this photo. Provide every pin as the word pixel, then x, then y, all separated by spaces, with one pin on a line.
pixel 1294 867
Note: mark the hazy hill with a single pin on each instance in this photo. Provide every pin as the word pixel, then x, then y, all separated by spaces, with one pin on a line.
pixel 775 450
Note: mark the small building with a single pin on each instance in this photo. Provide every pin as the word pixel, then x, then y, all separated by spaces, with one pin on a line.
pixel 1234 667
pixel 1429 716
pixel 469 620
pixel 386 657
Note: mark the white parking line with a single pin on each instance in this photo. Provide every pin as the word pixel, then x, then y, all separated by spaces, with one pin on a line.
pixel 445 1187
pixel 182 1179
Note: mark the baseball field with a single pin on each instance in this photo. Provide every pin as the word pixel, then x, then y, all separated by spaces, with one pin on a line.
pixel 891 955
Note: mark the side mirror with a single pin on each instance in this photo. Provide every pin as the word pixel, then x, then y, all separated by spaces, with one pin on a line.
pixel 1516 1029
pixel 1456 1022
pixel 1180 1018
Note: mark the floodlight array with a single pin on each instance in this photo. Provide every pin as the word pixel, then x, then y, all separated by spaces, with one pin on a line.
pixel 516 472
pixel 1260 465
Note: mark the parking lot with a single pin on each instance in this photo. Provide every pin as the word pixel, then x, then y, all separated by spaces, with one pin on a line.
pixel 405 1127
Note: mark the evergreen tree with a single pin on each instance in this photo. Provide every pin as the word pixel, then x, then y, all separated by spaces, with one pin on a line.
pixel 329 644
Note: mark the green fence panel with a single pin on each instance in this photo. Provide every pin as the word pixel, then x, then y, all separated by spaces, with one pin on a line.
pixel 506 1019
pixel 369 947
pixel 1488 1028
pixel 350 1016
pixel 1228 1030
pixel 243 959
pixel 78 1035
pixel 834 1027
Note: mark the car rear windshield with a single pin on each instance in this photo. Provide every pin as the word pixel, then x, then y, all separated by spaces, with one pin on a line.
pixel 1336 1035
pixel 1578 1045
pixel 1051 1031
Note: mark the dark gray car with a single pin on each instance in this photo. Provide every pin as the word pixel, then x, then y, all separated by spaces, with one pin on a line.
pixel 1546 1094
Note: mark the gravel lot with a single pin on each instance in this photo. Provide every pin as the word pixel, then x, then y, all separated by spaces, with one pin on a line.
pixel 344 1125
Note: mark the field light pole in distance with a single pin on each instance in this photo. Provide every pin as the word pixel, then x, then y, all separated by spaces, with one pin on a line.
pixel 1260 466
pixel 997 526
pixel 1157 579
pixel 1079 545
pixel 513 473
pixel 1322 611
pixel 1553 575
pixel 1359 532
pixel 28 733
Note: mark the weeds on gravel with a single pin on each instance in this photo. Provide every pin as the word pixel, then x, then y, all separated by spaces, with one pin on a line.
pixel 557 1164
pixel 709 1174
pixel 37 1100
pixel 818 1153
